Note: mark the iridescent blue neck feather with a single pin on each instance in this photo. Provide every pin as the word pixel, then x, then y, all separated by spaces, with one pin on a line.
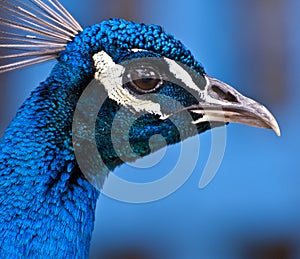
pixel 46 205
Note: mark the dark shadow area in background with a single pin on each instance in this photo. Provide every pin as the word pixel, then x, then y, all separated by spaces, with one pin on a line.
pixel 282 249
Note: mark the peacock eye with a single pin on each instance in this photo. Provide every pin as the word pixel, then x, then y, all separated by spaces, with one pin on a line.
pixel 144 79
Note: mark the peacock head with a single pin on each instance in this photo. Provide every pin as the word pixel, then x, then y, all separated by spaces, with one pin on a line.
pixel 127 83
pixel 146 83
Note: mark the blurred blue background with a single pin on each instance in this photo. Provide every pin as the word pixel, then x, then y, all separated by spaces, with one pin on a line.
pixel 252 207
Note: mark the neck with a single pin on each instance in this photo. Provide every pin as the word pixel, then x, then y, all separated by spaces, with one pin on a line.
pixel 46 204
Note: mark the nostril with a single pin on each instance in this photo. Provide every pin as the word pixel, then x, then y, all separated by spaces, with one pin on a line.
pixel 224 95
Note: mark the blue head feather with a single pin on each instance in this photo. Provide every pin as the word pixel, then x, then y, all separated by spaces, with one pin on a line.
pixel 46 204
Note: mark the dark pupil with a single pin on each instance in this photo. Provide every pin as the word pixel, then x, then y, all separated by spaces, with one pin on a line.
pixel 147 83
pixel 145 79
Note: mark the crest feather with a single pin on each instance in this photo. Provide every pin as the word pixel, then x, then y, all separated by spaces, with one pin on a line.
pixel 33 32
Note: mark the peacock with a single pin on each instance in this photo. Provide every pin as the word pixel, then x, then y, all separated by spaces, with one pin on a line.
pixel 48 199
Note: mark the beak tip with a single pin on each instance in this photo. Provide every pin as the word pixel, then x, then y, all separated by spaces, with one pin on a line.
pixel 272 124
pixel 277 131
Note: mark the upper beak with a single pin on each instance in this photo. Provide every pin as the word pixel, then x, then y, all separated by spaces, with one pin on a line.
pixel 224 104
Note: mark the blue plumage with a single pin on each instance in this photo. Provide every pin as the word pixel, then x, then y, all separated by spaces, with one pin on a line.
pixel 44 197
pixel 46 203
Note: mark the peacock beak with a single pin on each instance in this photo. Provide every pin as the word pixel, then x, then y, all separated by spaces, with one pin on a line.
pixel 222 103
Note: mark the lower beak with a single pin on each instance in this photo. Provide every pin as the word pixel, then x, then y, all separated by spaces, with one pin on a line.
pixel 224 104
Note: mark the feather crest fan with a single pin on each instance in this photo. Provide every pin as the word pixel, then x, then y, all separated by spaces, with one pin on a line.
pixel 34 32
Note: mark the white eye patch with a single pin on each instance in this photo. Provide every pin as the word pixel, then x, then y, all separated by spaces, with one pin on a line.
pixel 111 76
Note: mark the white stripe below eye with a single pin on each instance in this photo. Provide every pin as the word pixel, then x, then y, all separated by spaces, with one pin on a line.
pixel 110 75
